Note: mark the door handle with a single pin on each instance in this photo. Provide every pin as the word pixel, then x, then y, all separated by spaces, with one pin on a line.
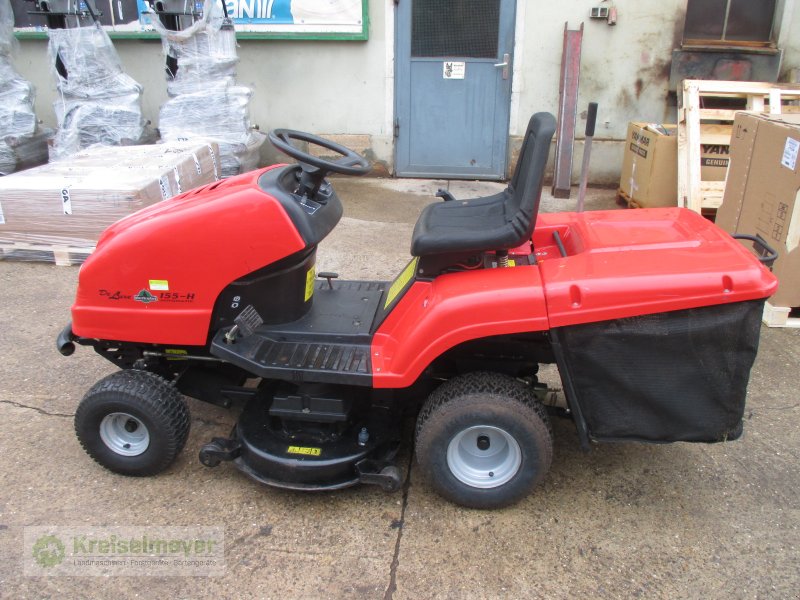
pixel 504 64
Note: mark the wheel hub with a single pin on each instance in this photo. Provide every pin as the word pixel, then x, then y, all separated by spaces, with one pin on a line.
pixel 124 434
pixel 484 456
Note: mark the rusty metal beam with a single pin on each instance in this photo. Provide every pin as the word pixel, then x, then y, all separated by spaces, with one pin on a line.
pixel 567 110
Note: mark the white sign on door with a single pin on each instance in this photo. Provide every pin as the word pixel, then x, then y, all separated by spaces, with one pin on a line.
pixel 454 70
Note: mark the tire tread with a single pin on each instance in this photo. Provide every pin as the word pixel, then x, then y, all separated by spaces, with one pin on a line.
pixel 476 391
pixel 482 382
pixel 156 396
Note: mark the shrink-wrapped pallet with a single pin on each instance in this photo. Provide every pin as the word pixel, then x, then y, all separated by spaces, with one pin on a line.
pixel 205 101
pixel 96 102
pixel 22 142
pixel 68 204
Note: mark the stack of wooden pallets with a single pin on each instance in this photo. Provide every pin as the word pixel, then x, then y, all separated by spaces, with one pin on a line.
pixel 705 117
pixel 781 316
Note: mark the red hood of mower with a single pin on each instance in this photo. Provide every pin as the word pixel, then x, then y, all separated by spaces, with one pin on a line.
pixel 155 275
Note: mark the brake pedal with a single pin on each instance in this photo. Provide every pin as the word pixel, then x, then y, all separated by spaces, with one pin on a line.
pixel 245 324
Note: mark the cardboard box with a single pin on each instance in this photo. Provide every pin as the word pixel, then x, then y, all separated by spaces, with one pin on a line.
pixel 761 195
pixel 650 165
pixel 715 151
pixel 72 201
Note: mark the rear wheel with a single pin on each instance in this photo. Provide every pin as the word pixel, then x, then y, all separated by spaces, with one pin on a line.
pixel 133 423
pixel 483 440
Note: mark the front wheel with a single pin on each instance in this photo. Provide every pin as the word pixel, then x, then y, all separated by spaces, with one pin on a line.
pixel 483 440
pixel 133 423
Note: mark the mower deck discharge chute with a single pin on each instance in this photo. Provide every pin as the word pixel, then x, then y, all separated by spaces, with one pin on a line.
pixel 652 317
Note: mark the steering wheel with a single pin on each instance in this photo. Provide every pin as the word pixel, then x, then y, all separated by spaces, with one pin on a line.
pixel 316 168
pixel 351 162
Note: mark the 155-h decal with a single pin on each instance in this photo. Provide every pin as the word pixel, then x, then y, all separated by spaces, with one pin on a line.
pixel 176 297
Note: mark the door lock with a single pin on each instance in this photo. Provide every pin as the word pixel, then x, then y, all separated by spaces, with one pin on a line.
pixel 504 65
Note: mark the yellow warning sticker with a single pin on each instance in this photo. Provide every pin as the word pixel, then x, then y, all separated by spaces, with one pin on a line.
pixel 310 277
pixel 399 284
pixel 304 450
pixel 159 285
pixel 176 353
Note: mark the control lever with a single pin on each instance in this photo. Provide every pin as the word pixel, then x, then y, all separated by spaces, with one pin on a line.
pixel 328 276
pixel 445 195
pixel 246 322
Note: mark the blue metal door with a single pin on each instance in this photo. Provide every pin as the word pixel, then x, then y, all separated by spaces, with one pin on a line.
pixel 453 87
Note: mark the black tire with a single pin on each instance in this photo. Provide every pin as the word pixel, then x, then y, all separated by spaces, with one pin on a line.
pixel 133 400
pixel 478 402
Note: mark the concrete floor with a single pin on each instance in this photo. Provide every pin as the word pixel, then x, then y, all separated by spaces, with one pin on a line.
pixel 626 520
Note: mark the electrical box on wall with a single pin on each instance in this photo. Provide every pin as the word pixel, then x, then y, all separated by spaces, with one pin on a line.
pixel 599 12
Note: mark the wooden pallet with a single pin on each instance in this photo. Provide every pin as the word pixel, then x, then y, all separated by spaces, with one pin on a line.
pixel 703 120
pixel 60 255
pixel 623 199
pixel 781 316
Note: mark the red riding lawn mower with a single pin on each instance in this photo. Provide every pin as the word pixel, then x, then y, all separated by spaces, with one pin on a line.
pixel 651 316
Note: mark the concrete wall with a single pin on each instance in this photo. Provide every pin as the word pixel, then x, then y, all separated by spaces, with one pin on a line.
pixel 789 39
pixel 347 87
pixel 624 68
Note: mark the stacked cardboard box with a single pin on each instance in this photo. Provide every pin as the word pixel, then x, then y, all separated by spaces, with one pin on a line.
pixel 650 165
pixel 762 195
pixel 715 151
pixel 70 202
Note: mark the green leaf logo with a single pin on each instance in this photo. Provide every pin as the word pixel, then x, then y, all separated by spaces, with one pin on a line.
pixel 145 297
pixel 48 551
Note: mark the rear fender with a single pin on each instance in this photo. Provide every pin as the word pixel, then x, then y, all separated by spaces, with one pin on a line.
pixel 434 316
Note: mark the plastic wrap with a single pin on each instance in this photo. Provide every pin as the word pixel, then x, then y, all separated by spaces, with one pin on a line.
pixel 21 143
pixel 17 153
pixel 16 102
pixel 7 40
pixel 8 159
pixel 199 115
pixel 205 102
pixel 240 158
pixel 97 103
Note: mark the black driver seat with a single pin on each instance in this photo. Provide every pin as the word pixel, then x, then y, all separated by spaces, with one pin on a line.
pixel 498 222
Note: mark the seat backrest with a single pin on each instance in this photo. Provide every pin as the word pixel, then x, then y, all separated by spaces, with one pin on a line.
pixel 522 206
